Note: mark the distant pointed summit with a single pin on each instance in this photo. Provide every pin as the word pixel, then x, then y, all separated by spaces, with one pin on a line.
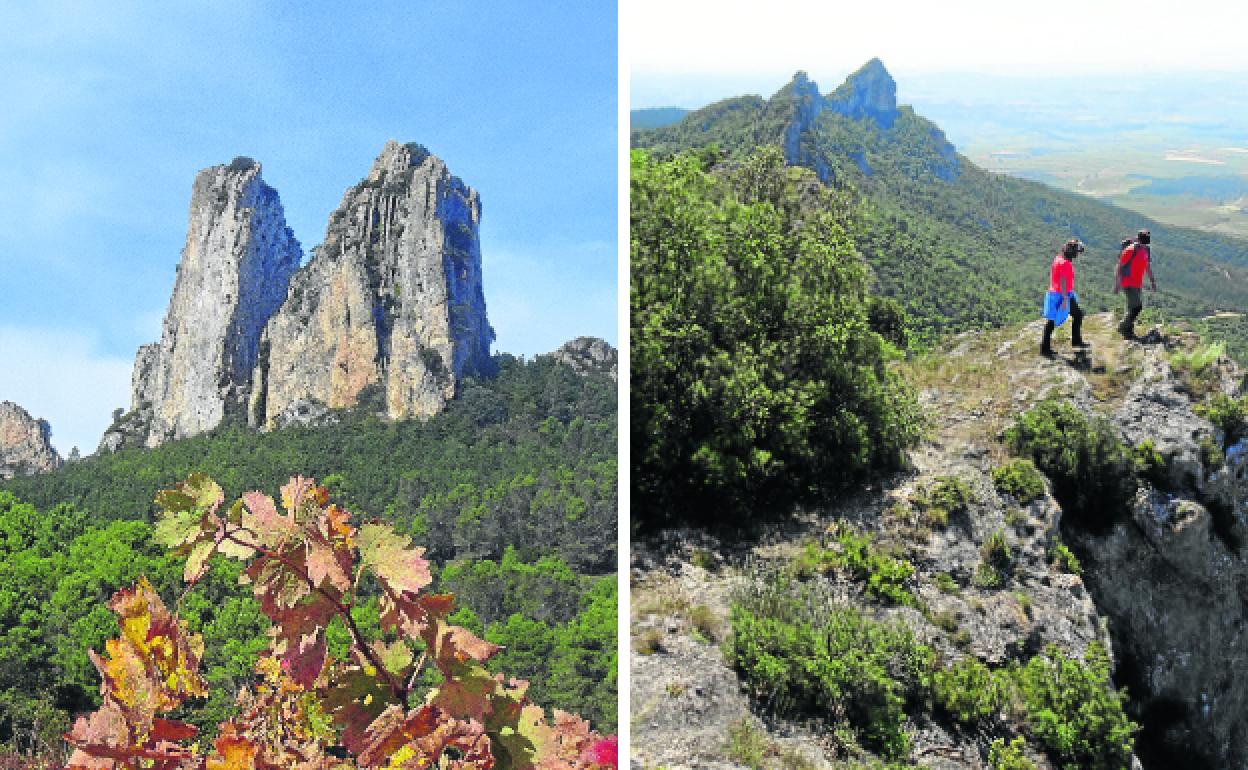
pixel 868 93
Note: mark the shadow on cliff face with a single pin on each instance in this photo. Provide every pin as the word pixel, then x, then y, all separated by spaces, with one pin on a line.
pixel 1161 741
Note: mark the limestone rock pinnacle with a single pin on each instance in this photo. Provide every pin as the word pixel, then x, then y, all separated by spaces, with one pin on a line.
pixel 390 309
pixel 235 268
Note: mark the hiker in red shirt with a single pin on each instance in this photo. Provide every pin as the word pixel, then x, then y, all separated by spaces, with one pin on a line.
pixel 1134 263
pixel 1061 298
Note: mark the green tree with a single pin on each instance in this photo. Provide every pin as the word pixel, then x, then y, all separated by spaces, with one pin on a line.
pixel 756 375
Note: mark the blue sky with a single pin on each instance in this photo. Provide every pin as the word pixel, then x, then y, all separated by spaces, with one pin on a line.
pixel 109 109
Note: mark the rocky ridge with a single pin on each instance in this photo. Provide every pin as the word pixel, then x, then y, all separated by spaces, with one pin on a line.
pixel 1161 589
pixel 589 355
pixel 867 98
pixel 388 313
pixel 25 443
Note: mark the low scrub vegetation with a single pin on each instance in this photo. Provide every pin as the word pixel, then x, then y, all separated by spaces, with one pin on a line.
pixel 803 655
pixel 1092 472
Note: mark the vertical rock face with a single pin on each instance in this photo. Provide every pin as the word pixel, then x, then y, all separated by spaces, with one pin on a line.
pixel 801 103
pixel 388 313
pixel 235 269
pixel 390 310
pixel 25 443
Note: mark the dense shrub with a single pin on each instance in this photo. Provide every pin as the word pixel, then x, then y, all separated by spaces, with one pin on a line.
pixel 757 378
pixel 1068 706
pixel 1074 712
pixel 1092 472
pixel 1228 415
pixel 1019 479
pixel 1009 756
pixel 969 692
pixel 803 655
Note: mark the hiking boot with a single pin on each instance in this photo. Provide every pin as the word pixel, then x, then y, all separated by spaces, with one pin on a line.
pixel 1047 352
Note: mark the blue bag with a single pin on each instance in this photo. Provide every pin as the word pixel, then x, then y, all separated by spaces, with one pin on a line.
pixel 1054 313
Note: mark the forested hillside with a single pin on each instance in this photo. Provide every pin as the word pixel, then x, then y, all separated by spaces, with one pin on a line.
pixel 512 489
pixel 958 247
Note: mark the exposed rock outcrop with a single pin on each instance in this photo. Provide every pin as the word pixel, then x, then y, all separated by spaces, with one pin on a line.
pixel 589 355
pixel 25 443
pixel 817 126
pixel 390 308
pixel 869 93
pixel 388 313
pixel 1172 578
pixel 1162 589
pixel 235 268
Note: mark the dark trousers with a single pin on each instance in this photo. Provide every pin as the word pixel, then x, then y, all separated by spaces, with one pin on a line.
pixel 1076 325
pixel 1135 303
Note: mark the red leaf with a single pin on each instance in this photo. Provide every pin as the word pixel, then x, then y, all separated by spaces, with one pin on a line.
pixel 171 730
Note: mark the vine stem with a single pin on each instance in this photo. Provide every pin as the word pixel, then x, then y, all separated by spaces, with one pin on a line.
pixel 343 610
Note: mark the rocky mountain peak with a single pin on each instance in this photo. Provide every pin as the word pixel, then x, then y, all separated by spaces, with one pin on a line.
pixel 25 443
pixel 801 103
pixel 390 309
pixel 870 92
pixel 396 158
pixel 799 87
pixel 233 275
pixel 389 312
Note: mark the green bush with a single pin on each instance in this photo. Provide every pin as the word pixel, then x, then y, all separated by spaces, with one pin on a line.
pixel 946 496
pixel 987 576
pixel 1093 474
pixel 1019 479
pixel 1195 367
pixel 1228 415
pixel 969 692
pixel 1150 465
pixel 883 576
pixel 1009 756
pixel 757 379
pixel 1074 712
pixel 1064 558
pixel 803 655
pixel 946 583
pixel 1068 706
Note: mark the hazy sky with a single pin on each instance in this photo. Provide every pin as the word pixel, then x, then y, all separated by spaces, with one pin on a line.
pixel 677 49
pixel 107 110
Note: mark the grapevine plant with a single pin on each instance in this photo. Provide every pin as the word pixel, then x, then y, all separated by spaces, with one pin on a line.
pixel 306 710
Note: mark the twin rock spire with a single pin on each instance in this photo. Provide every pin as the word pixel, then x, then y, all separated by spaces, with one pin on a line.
pixel 389 311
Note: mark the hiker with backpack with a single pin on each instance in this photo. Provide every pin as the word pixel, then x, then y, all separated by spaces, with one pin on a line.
pixel 1061 300
pixel 1133 264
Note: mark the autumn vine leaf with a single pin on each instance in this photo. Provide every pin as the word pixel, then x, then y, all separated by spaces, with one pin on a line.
pixel 307 710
